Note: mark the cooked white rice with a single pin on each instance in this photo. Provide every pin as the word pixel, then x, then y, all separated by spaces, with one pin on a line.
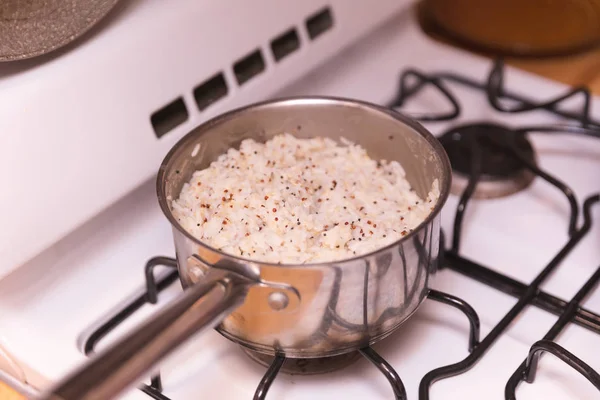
pixel 295 201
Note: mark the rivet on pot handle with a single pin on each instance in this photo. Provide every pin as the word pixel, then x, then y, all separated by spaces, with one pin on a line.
pixel 280 296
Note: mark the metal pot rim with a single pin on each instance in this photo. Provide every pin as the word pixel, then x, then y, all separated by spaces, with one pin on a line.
pixel 207 125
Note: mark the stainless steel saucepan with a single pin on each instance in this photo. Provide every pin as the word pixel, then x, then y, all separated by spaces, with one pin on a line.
pixel 309 310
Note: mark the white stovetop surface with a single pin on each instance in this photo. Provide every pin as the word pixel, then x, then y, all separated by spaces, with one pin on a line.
pixel 46 305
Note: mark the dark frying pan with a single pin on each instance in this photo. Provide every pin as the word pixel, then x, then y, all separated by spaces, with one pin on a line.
pixel 30 28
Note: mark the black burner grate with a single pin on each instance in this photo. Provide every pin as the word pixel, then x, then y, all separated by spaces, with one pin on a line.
pixel 411 82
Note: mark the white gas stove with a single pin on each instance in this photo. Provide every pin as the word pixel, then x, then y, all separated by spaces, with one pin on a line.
pixel 54 304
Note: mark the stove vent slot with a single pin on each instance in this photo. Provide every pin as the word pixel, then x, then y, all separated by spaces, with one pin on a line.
pixel 216 88
pixel 210 91
pixel 249 66
pixel 319 23
pixel 169 117
pixel 285 44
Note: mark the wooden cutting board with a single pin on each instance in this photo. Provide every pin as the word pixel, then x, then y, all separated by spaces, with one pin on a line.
pixel 583 69
pixel 8 394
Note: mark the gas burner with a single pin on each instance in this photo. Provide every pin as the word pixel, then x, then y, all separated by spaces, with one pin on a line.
pixel 480 148
pixel 306 366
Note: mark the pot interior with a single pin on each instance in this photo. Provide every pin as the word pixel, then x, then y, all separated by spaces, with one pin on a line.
pixel 383 133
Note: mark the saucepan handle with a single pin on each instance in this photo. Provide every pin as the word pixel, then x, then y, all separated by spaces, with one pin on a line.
pixel 109 373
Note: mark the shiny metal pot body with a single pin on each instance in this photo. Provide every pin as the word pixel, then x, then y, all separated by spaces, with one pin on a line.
pixel 309 310
pixel 324 310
